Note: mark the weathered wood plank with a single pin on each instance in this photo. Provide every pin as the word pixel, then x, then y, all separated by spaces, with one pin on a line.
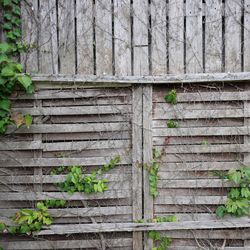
pixel 213 36
pixel 63 244
pixel 137 158
pixel 71 128
pixel 194 36
pixel 129 227
pixel 232 36
pixel 246 35
pixel 206 131
pixel 89 161
pixel 167 79
pixel 48 51
pixel 30 29
pixel 176 36
pixel 66 37
pixel 159 37
pixel 140 37
pixel 84 39
pixel 122 36
pixel 32 196
pixel 103 34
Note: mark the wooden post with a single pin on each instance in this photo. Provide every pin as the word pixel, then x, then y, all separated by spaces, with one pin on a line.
pixel 137 162
pixel 147 157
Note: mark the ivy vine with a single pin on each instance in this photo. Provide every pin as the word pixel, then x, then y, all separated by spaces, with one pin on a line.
pixel 12 74
pixel 238 197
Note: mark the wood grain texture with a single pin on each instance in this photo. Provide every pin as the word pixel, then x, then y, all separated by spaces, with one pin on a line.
pixel 246 35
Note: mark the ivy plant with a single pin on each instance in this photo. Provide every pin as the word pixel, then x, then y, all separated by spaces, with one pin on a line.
pixel 76 181
pixel 12 74
pixel 171 97
pixel 153 169
pixel 172 124
pixel 238 197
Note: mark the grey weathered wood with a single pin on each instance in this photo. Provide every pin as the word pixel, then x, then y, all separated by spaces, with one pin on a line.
pixel 140 40
pixel 147 158
pixel 122 36
pixel 159 37
pixel 176 36
pixel 232 36
pixel 137 158
pixel 167 79
pixel 194 36
pixel 48 162
pixel 246 35
pixel 48 51
pixel 103 29
pixel 66 29
pixel 30 27
pixel 129 227
pixel 84 40
pixel 213 36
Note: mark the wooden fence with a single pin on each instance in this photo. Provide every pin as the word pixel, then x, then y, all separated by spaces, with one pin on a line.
pixel 136 37
pixel 83 122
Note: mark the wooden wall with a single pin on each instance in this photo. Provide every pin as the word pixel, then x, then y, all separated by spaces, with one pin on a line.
pixel 139 37
pixel 78 123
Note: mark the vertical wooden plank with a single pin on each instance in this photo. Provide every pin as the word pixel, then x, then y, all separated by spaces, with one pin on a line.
pixel 66 36
pixel 247 36
pixel 85 55
pixel 29 15
pixel 48 61
pixel 159 37
pixel 213 36
pixel 176 36
pixel 194 36
pixel 103 37
pixel 137 162
pixel 140 37
pixel 122 36
pixel 232 36
pixel 147 157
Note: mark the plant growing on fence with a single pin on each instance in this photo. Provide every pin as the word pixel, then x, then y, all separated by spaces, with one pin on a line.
pixel 172 124
pixel 153 169
pixel 76 181
pixel 238 197
pixel 163 242
pixel 11 72
pixel 171 97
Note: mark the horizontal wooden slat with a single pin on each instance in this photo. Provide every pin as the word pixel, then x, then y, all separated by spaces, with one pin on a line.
pixel 210 183
pixel 243 222
pixel 190 200
pixel 82 110
pixel 234 148
pixel 166 79
pixel 206 131
pixel 199 114
pixel 63 244
pixel 31 196
pixel 54 162
pixel 71 128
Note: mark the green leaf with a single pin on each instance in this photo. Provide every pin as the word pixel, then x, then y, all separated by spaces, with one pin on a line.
pixel 28 120
pixel 234 193
pixel 221 211
pixel 245 192
pixel 5 105
pixel 25 81
pixel 236 177
pixel 4 48
pixel 7 72
pixel 7 26
pixel 7 3
pixel 2 227
pixel 4 58
pixel 19 67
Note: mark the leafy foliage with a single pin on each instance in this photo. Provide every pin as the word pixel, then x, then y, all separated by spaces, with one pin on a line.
pixel 153 169
pixel 11 72
pixel 76 181
pixel 172 124
pixel 238 198
pixel 171 97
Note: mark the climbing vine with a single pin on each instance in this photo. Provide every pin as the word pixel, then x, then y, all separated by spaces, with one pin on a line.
pixel 12 74
pixel 238 197
pixel 76 181
pixel 171 97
